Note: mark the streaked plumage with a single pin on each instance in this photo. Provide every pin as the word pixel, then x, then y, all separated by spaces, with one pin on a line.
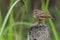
pixel 39 31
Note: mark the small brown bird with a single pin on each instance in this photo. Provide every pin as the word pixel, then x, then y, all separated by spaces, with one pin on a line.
pixel 41 15
pixel 39 30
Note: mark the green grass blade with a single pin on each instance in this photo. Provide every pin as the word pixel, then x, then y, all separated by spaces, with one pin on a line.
pixel 1 37
pixel 0 18
pixel 6 18
pixel 53 29
pixel 47 4
pixel 28 10
pixel 43 4
pixel 11 21
pixel 21 27
pixel 50 21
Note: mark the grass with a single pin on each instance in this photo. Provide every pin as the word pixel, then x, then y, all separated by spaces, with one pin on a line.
pixel 0 18
pixel 25 20
pixel 45 8
pixel 6 18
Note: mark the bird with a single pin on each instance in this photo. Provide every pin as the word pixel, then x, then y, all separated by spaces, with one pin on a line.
pixel 39 30
pixel 41 15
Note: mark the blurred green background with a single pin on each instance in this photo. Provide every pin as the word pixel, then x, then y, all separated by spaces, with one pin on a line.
pixel 21 18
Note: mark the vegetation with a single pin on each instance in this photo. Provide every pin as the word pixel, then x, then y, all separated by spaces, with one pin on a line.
pixel 16 17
